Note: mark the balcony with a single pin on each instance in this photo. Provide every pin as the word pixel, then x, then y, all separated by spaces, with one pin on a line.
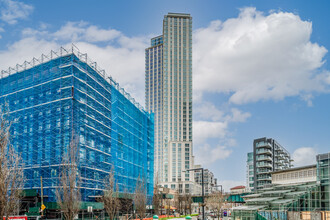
pixel 264 178
pixel 263 170
pixel 264 145
pixel 264 151
pixel 279 162
pixel 264 157
pixel 263 164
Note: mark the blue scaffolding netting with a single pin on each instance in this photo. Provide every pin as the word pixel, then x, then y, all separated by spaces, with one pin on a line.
pixel 65 94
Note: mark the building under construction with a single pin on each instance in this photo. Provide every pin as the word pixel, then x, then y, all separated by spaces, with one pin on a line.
pixel 65 95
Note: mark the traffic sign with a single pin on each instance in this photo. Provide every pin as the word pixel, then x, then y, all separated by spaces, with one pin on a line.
pixel 43 207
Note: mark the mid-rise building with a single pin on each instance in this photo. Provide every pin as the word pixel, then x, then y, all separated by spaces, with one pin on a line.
pixel 268 156
pixel 249 172
pixel 210 182
pixel 64 96
pixel 238 190
pixel 295 175
pixel 168 90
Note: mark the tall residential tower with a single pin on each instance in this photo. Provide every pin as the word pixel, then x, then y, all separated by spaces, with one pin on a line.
pixel 168 85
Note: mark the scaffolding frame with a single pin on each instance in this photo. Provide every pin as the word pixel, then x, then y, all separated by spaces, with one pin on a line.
pixel 64 93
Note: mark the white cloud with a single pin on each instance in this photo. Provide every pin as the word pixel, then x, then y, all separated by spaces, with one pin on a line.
pixel 82 31
pixel 1 30
pixel 207 110
pixel 258 57
pixel 304 156
pixel 206 154
pixel 122 57
pixel 11 11
pixel 213 123
pixel 204 130
pixel 238 116
pixel 212 127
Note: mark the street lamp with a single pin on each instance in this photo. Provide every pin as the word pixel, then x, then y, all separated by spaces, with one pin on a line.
pixel 202 169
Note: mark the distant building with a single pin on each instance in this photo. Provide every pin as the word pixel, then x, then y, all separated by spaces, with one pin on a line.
pixel 210 183
pixel 268 156
pixel 323 171
pixel 295 175
pixel 238 190
pixel 249 172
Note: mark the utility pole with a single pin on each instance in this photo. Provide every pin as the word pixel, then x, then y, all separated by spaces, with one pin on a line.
pixel 42 197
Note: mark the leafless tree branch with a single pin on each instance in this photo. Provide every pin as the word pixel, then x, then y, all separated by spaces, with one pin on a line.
pixel 111 196
pixel 68 193
pixel 140 197
pixel 11 172
pixel 214 202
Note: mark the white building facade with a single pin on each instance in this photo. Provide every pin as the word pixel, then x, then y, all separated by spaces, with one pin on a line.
pixel 168 90
pixel 249 172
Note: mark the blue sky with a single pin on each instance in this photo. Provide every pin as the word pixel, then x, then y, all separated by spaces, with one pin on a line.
pixel 260 67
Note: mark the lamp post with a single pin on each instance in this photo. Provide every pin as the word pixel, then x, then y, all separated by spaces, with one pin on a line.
pixel 202 169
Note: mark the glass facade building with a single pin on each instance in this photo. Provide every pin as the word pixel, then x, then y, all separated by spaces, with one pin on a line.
pixel 268 156
pixel 65 95
pixel 168 86
pixel 323 174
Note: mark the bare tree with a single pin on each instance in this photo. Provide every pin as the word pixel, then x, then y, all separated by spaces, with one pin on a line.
pixel 126 202
pixel 179 203
pixel 68 193
pixel 187 201
pixel 111 196
pixel 214 202
pixel 156 199
pixel 140 197
pixel 11 172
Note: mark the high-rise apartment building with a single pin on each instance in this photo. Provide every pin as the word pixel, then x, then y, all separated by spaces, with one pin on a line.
pixel 62 95
pixel 168 90
pixel 268 156
pixel 249 172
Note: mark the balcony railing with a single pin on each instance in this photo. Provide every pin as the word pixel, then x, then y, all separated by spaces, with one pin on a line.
pixel 264 157
pixel 264 151
pixel 264 145
pixel 262 164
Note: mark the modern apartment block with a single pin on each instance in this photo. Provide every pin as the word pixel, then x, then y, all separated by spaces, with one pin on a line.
pixel 249 172
pixel 64 95
pixel 168 91
pixel 323 178
pixel 268 156
pixel 210 182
